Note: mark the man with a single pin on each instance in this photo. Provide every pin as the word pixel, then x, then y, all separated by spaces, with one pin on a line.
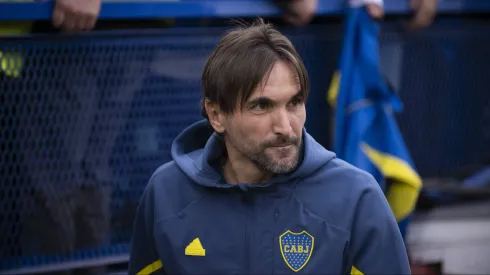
pixel 249 191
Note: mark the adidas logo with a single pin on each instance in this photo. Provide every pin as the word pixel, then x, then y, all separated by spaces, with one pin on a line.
pixel 195 248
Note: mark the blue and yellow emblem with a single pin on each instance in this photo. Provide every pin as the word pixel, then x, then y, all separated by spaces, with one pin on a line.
pixel 296 249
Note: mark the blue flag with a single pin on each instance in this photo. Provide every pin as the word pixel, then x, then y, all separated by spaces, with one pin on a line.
pixel 366 133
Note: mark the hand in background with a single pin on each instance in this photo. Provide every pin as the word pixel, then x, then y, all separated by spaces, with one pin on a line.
pixel 425 12
pixel 376 11
pixel 76 15
pixel 300 12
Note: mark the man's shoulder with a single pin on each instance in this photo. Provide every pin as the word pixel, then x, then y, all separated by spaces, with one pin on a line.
pixel 165 171
pixel 169 177
pixel 337 185
pixel 170 187
pixel 163 174
pixel 342 175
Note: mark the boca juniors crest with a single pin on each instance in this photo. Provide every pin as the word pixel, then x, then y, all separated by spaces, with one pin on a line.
pixel 296 249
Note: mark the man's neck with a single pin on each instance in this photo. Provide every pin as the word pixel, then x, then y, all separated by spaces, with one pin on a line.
pixel 238 172
pixel 239 169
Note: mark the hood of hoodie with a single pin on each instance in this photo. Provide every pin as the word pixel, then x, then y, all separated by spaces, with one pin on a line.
pixel 198 149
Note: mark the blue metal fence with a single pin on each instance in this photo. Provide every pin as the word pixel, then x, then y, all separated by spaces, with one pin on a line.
pixel 89 117
pixel 216 8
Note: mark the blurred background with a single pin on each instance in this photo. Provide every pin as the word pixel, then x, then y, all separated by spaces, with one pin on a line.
pixel 92 95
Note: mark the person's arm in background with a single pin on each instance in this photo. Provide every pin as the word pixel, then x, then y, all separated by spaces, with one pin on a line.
pixel 76 15
pixel 300 12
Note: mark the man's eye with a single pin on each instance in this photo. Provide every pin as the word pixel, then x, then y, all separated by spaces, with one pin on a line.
pixel 261 106
pixel 295 102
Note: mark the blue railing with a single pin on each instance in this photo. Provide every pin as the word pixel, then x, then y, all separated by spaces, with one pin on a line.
pixel 216 8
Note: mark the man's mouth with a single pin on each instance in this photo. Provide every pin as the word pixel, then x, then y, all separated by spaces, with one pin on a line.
pixel 286 145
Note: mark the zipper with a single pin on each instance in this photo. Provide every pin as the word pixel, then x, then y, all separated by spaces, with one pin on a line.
pixel 248 232
pixel 274 238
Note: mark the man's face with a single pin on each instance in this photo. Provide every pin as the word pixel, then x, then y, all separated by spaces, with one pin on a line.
pixel 267 129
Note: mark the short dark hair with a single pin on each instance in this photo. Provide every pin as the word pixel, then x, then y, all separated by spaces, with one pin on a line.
pixel 242 59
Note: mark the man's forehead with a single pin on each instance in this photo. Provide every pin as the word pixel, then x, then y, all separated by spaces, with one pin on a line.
pixel 277 90
pixel 281 72
pixel 281 76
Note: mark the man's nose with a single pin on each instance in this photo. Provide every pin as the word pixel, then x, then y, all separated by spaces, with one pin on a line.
pixel 281 123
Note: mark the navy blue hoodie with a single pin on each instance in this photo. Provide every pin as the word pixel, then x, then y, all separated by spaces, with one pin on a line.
pixel 325 217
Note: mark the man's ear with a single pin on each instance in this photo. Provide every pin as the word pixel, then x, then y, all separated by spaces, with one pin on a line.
pixel 215 116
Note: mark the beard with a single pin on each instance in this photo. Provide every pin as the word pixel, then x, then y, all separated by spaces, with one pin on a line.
pixel 278 156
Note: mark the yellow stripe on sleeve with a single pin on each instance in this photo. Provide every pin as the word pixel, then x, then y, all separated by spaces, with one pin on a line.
pixel 151 268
